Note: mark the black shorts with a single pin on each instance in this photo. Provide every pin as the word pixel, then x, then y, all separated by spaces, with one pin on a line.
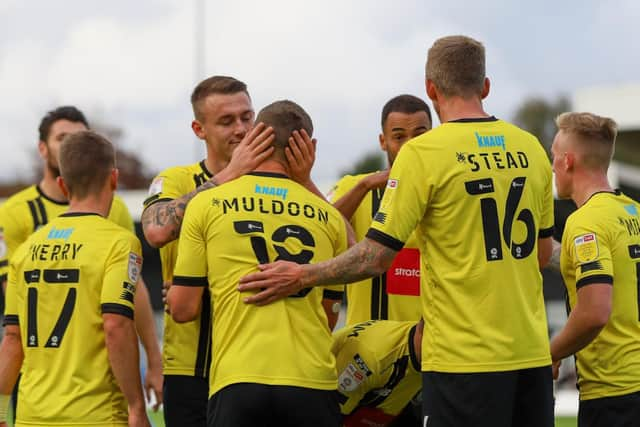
pixel 260 405
pixel 185 401
pixel 615 411
pixel 521 398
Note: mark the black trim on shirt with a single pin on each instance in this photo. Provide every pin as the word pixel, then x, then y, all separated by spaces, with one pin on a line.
pixel 206 171
pixel 156 200
pixel 545 232
pixel 44 196
pixel 114 308
pixel 190 281
pixel 475 120
pixel 4 263
pixel 331 294
pixel 74 214
pixel 412 353
pixel 596 278
pixel 203 352
pixel 385 239
pixel 11 319
pixel 615 192
pixel 269 174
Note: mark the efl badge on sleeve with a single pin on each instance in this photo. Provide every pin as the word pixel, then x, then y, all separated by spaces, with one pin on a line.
pixel 135 266
pixel 586 247
pixel 156 186
pixel 392 184
pixel 350 379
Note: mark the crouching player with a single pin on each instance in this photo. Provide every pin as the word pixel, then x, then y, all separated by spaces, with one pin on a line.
pixel 378 365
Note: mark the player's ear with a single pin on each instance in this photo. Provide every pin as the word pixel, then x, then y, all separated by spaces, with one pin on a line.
pixel 432 93
pixel 113 178
pixel 569 161
pixel 383 143
pixel 198 129
pixel 63 186
pixel 486 86
pixel 43 150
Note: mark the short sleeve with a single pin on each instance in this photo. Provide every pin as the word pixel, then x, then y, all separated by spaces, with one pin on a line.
pixel 355 373
pixel 164 187
pixel 547 215
pixel 12 298
pixel 121 275
pixel 589 253
pixel 404 202
pixel 191 265
pixel 11 237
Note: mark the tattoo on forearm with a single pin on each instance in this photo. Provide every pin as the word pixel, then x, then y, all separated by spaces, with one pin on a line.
pixel 365 259
pixel 170 214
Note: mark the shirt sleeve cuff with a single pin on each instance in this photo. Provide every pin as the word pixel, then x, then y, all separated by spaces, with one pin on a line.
pixel 113 308
pixel 190 281
pixel 596 278
pixel 384 239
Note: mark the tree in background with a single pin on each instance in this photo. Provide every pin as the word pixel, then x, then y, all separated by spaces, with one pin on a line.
pixel 369 162
pixel 537 115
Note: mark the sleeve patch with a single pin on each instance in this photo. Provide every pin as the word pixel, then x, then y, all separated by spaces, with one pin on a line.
pixel 156 186
pixel 392 184
pixel 586 247
pixel 135 266
pixel 591 266
pixel 350 378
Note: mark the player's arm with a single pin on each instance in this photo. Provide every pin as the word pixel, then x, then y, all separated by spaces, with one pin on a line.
pixel 348 204
pixel 146 328
pixel 184 300
pixel 161 221
pixel 365 259
pixel 586 320
pixel 11 357
pixel 554 261
pixel 545 251
pixel 122 348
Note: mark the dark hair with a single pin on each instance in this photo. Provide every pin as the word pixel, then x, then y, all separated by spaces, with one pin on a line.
pixel 86 161
pixel 284 117
pixel 66 112
pixel 215 84
pixel 407 104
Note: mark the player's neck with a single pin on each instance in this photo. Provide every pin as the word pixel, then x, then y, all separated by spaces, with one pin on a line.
pixel 213 165
pixel 99 204
pixel 589 185
pixel 50 188
pixel 456 108
pixel 273 166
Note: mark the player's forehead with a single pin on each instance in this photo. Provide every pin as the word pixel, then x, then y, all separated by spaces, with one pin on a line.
pixel 218 105
pixel 65 127
pixel 397 120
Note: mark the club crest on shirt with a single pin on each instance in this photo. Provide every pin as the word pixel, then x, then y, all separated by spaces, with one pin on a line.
pixel 135 266
pixel 156 186
pixel 586 247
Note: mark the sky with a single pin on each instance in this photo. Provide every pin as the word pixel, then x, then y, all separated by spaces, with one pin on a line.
pixel 133 64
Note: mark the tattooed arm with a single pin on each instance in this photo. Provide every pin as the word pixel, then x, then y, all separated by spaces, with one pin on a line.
pixel 282 278
pixel 161 221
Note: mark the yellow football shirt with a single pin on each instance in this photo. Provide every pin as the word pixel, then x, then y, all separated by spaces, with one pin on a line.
pixel 479 193
pixel 61 281
pixel 186 347
pixel 601 244
pixel 28 210
pixel 227 231
pixel 376 365
pixel 394 295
